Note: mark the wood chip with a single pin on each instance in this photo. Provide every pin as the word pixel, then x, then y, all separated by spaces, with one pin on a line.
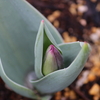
pixel 95 89
pixel 72 95
pixel 68 38
pixel 72 9
pixel 51 18
pixel 91 77
pixel 56 13
pixel 56 23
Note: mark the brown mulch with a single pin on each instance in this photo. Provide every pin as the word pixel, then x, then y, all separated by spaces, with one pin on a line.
pixel 76 20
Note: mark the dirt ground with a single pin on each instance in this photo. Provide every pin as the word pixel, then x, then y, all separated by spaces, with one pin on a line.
pixel 76 20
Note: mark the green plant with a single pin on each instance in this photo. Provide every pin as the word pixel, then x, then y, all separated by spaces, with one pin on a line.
pixel 23 45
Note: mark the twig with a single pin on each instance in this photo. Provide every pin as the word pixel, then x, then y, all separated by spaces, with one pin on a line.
pixel 79 93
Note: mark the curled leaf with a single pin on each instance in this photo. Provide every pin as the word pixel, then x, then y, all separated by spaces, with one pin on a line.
pixel 60 79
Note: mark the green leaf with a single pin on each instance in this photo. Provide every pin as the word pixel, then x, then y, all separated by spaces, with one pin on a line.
pixel 70 51
pixel 46 97
pixel 60 79
pixel 43 40
pixel 39 51
pixel 17 87
pixel 19 23
pixel 50 38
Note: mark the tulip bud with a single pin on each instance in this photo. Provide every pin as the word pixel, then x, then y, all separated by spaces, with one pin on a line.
pixel 52 61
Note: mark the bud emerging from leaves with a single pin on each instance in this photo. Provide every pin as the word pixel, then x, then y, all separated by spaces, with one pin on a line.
pixel 53 60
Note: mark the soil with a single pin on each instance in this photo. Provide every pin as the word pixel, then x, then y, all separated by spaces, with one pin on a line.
pixel 76 20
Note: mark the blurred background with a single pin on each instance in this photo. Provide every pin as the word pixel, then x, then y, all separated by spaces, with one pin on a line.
pixel 76 20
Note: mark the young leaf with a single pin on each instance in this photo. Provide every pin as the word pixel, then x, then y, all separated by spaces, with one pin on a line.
pixel 60 79
pixel 43 40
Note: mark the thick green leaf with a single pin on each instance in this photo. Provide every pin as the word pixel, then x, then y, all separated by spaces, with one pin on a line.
pixel 60 79
pixel 43 40
pixel 70 51
pixel 19 23
pixel 17 87
pixel 50 37
pixel 46 97
pixel 39 51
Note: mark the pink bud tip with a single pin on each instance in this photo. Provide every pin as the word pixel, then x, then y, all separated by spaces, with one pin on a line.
pixel 52 47
pixel 85 42
pixel 42 21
